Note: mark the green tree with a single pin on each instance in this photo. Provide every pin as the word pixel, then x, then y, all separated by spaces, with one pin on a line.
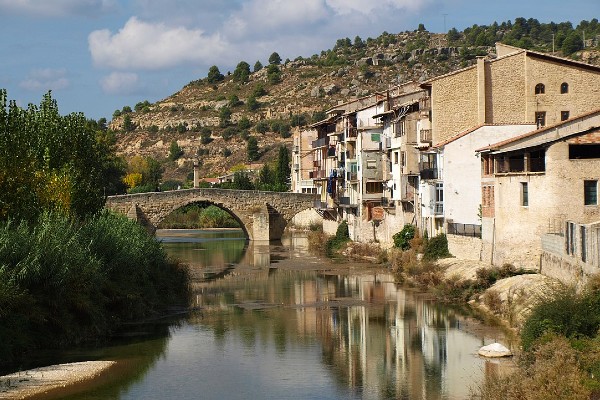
pixel 128 125
pixel 259 90
pixel 224 117
pixel 242 72
pixel 421 28
pixel 572 43
pixel 252 149
pixel 257 66
pixel 126 109
pixel 53 162
pixel 274 59
pixel 453 36
pixel 175 151
pixel 273 74
pixel 244 123
pixel 214 75
pixel 252 104
pixel 234 101
pixel 266 177
pixel 283 172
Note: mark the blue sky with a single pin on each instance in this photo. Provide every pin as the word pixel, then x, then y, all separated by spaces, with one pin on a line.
pixel 100 55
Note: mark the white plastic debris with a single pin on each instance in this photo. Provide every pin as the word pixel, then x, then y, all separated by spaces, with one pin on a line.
pixel 494 350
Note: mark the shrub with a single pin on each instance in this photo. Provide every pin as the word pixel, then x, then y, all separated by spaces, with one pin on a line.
pixel 436 248
pixel 402 238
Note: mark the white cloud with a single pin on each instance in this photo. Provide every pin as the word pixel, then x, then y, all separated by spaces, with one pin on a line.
pixel 152 46
pixel 274 15
pixel 46 79
pixel 120 83
pixel 367 7
pixel 55 8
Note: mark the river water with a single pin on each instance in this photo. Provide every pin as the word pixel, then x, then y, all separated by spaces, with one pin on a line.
pixel 274 322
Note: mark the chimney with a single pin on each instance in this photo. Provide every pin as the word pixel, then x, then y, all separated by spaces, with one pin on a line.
pixel 480 90
pixel 196 174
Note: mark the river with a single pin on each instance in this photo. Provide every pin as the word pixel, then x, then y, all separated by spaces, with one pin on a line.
pixel 274 322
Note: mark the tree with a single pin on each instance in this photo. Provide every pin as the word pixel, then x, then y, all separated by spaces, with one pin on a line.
pixel 128 125
pixel 453 35
pixel 283 172
pixel 244 123
pixel 205 135
pixel 214 75
pixel 175 151
pixel 252 149
pixel 273 74
pixel 224 117
pixel 358 42
pixel 234 101
pixel 421 28
pixel 257 66
pixel 53 162
pixel 274 59
pixel 252 104
pixel 572 43
pixel 242 72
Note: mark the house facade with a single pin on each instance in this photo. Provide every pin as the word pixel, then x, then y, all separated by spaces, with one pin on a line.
pixel 540 207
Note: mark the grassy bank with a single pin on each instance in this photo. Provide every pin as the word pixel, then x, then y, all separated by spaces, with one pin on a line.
pixel 64 282
pixel 194 216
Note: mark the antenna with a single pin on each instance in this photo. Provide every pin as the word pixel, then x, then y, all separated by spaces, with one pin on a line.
pixel 445 31
pixel 553 43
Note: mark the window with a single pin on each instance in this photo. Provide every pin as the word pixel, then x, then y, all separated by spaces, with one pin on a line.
pixel 374 187
pixel 439 199
pixel 590 193
pixel 540 88
pixel 540 119
pixel 403 158
pixel 524 194
pixel 401 127
pixel 371 164
pixel 564 88
pixel 564 115
pixel 395 157
pixel 584 151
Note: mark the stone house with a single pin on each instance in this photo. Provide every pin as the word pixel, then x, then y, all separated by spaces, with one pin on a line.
pixel 494 100
pixel 540 205
pixel 302 161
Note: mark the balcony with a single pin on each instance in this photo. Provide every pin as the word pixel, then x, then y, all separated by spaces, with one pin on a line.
pixel 429 173
pixel 319 174
pixel 320 142
pixel 331 152
pixel 351 133
pixel 346 202
pixel 438 208
pixel 351 176
pixel 425 136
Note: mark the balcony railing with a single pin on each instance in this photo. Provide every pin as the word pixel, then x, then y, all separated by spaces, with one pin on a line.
pixel 429 174
pixel 351 176
pixel 319 142
pixel 471 230
pixel 438 208
pixel 425 136
pixel 331 152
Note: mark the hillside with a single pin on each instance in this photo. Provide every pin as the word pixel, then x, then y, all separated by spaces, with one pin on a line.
pixel 212 118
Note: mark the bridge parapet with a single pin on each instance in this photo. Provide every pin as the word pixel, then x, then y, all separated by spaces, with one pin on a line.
pixel 262 215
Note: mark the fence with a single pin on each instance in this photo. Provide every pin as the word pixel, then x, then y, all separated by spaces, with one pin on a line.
pixel 471 230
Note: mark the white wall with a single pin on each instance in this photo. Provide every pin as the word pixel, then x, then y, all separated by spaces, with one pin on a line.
pixel 462 170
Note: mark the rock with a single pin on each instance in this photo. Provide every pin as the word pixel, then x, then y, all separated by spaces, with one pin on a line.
pixel 316 91
pixel 345 92
pixel 494 350
pixel 330 89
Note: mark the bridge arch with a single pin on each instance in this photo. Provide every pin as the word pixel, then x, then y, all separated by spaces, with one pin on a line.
pixel 262 215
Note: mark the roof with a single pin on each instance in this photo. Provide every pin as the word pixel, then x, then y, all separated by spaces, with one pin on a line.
pixel 573 126
pixel 471 130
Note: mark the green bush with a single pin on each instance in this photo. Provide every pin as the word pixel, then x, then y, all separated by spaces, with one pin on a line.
pixel 342 236
pixel 567 314
pixel 436 248
pixel 63 282
pixel 402 239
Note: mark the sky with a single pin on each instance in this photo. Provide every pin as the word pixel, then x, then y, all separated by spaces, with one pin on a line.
pixel 97 56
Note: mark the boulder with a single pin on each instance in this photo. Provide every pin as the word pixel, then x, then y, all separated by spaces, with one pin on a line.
pixel 494 350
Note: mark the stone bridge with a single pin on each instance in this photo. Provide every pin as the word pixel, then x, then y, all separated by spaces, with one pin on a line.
pixel 262 215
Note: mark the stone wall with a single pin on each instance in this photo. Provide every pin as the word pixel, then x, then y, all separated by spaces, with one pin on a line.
pixel 262 215
pixel 464 247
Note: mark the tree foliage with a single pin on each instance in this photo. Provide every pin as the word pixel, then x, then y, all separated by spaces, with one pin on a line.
pixel 252 149
pixel 274 59
pixel 242 72
pixel 214 75
pixel 49 161
pixel 283 172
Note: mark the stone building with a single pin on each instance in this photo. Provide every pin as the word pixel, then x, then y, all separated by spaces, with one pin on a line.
pixel 540 205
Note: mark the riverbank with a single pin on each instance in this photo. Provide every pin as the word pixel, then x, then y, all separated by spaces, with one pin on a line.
pixel 54 379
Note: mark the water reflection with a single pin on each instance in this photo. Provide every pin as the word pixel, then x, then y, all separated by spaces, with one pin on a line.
pixel 279 323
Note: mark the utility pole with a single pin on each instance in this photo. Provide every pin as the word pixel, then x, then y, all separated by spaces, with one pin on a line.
pixel 553 43
pixel 445 31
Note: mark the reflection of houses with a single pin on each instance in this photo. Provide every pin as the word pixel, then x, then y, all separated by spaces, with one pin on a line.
pixel 544 184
